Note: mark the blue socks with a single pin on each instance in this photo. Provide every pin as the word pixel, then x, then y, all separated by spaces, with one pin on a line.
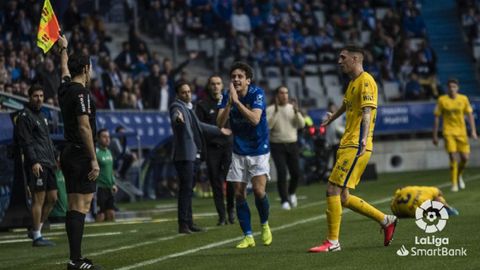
pixel 263 207
pixel 243 215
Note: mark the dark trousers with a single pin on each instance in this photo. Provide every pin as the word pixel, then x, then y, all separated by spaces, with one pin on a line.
pixel 218 163
pixel 286 155
pixel 185 172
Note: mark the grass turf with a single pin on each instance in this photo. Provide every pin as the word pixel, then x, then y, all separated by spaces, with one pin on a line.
pixel 153 242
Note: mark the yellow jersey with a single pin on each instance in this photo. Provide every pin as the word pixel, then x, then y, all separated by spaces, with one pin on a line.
pixel 407 199
pixel 452 111
pixel 361 92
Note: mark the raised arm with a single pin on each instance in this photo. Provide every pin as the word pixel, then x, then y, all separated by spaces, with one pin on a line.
pixel 63 44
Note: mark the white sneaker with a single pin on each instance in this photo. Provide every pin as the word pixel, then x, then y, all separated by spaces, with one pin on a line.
pixel 286 206
pixel 293 200
pixel 461 183
pixel 454 188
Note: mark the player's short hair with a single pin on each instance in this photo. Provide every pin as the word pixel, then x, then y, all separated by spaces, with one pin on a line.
pixel 354 49
pixel 101 131
pixel 77 62
pixel 179 85
pixel 34 88
pixel 243 66
pixel 452 80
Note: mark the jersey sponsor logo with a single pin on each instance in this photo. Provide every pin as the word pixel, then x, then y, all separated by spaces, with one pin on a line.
pixel 258 100
pixel 367 98
pixel 82 103
pixel 39 182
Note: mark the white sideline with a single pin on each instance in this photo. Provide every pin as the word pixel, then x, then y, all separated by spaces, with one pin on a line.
pixel 286 226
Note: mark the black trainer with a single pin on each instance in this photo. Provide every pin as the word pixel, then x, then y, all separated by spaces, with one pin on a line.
pixel 83 264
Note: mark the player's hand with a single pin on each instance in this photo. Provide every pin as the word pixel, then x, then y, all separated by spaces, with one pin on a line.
pixel 435 140
pixel 180 119
pixel 326 122
pixel 363 147
pixel 294 103
pixel 29 194
pixel 37 169
pixel 474 135
pixel 62 41
pixel 226 131
pixel 95 171
pixel 233 94
pixel 114 189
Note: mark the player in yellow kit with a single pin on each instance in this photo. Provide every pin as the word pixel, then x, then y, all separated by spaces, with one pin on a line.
pixel 360 104
pixel 407 199
pixel 452 108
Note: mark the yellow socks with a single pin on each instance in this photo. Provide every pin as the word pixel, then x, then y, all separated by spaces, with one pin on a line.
pixel 360 206
pixel 461 167
pixel 454 172
pixel 334 216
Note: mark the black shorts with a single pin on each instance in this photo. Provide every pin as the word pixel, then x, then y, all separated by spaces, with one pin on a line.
pixel 105 199
pixel 76 165
pixel 45 182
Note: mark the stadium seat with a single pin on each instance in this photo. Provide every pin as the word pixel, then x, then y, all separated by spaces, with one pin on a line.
pixel 330 80
pixel 192 44
pixel 391 90
pixel 334 93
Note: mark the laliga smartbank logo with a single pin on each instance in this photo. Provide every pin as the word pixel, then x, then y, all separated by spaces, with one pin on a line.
pixel 431 217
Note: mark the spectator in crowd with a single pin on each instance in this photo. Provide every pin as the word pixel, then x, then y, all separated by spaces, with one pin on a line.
pixel 122 154
pixel 426 74
pixel 219 152
pixel 126 59
pixel 413 89
pixel 284 120
pixel 106 180
pixel 49 77
pixel 188 146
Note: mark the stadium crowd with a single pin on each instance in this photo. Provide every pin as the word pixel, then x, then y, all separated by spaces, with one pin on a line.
pixel 265 33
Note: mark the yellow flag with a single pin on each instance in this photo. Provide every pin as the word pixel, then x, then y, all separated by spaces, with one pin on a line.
pixel 49 29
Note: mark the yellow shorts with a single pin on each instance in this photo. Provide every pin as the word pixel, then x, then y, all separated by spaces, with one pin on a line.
pixel 407 199
pixel 348 168
pixel 456 144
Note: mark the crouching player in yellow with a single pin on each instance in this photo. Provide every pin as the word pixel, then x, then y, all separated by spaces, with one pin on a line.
pixel 452 108
pixel 407 199
pixel 360 104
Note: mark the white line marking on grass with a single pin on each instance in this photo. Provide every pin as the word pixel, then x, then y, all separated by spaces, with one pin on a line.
pixel 228 241
pixel 54 236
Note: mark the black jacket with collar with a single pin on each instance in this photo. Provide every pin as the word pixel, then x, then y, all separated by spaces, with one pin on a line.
pixel 33 136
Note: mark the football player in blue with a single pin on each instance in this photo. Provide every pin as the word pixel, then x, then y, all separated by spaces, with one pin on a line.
pixel 245 107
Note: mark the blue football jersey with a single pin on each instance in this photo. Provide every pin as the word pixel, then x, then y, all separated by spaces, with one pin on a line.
pixel 248 140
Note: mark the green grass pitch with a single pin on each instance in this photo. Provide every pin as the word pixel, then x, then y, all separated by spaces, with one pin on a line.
pixel 152 242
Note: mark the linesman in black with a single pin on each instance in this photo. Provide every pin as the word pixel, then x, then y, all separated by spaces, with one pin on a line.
pixel 78 158
pixel 219 152
pixel 32 135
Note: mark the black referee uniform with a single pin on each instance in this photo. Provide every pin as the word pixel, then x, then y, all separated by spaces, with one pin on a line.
pixel 219 157
pixel 75 100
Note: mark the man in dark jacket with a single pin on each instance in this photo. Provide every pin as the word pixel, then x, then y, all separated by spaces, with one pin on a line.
pixel 188 146
pixel 219 151
pixel 32 135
